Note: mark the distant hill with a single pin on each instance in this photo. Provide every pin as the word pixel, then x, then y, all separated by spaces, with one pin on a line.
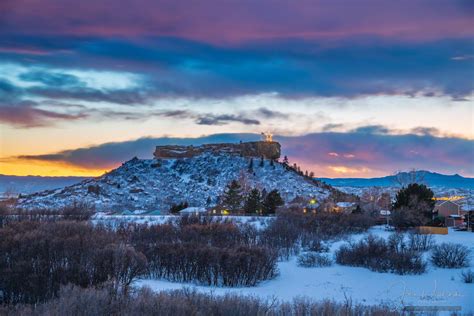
pixel 30 184
pixel 197 175
pixel 429 178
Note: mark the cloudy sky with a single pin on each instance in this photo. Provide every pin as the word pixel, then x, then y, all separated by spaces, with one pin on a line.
pixel 351 88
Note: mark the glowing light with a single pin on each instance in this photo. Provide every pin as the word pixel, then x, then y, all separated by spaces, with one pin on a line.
pixel 449 198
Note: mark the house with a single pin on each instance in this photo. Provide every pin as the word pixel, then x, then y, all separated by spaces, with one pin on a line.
pixel 384 217
pixel 193 211
pixel 218 210
pixel 451 211
pixel 345 207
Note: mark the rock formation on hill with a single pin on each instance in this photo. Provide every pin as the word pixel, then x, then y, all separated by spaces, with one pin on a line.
pixel 196 175
pixel 267 150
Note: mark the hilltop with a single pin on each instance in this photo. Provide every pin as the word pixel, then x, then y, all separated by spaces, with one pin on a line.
pixel 197 175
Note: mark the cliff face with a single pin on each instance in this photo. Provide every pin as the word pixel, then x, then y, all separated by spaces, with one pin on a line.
pixel 269 150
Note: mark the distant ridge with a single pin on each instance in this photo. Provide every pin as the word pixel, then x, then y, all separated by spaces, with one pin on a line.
pixel 430 179
pixel 30 184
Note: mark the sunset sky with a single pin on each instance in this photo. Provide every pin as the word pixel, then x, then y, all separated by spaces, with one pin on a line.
pixel 350 88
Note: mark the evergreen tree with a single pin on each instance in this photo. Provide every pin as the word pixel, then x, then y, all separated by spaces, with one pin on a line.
pixel 311 174
pixel 250 168
pixel 413 206
pixel 272 163
pixel 253 202
pixel 208 201
pixel 176 208
pixel 271 202
pixel 232 198
pixel 262 162
pixel 285 161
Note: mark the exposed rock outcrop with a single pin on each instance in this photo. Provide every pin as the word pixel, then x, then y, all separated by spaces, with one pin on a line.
pixel 267 150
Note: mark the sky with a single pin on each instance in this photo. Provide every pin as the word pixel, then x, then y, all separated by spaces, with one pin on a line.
pixel 349 88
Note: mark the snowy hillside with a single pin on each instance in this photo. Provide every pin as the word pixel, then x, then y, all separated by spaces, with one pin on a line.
pixel 156 184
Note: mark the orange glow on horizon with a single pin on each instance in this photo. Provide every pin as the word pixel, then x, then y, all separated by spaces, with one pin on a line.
pixel 17 167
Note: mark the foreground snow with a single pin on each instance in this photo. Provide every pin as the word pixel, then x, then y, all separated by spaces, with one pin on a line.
pixel 440 287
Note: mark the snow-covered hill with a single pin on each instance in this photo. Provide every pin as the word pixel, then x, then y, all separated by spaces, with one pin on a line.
pixel 156 184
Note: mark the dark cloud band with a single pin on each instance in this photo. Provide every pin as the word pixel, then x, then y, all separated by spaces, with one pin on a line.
pixel 369 149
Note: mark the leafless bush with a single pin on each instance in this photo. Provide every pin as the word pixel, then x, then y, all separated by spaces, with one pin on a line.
pixel 209 265
pixel 449 255
pixel 420 242
pixel 281 236
pixel 467 276
pixel 36 258
pixel 292 229
pixel 378 255
pixel 313 259
pixel 77 211
pixel 314 244
pixel 103 301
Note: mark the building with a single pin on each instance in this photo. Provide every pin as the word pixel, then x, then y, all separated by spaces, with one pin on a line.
pixel 451 211
pixel 345 207
pixel 193 211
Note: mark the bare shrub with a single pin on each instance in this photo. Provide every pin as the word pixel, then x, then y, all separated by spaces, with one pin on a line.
pixel 36 258
pixel 313 259
pixel 314 244
pixel 103 301
pixel 77 211
pixel 449 255
pixel 420 242
pixel 467 276
pixel 378 255
pixel 282 236
pixel 209 265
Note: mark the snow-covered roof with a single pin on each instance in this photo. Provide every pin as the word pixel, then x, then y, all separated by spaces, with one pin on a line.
pixel 345 204
pixel 193 210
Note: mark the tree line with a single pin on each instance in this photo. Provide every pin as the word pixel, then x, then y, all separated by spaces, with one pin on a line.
pixel 255 202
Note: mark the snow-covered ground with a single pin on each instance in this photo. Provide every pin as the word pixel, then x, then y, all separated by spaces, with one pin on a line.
pixel 258 222
pixel 436 287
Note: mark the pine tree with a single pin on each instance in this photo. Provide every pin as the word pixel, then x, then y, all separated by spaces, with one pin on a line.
pixel 250 168
pixel 413 206
pixel 271 202
pixel 253 202
pixel 285 161
pixel 232 198
pixel 262 162
pixel 311 174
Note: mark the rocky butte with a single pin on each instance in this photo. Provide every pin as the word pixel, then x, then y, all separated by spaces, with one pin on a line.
pixel 267 150
pixel 196 175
